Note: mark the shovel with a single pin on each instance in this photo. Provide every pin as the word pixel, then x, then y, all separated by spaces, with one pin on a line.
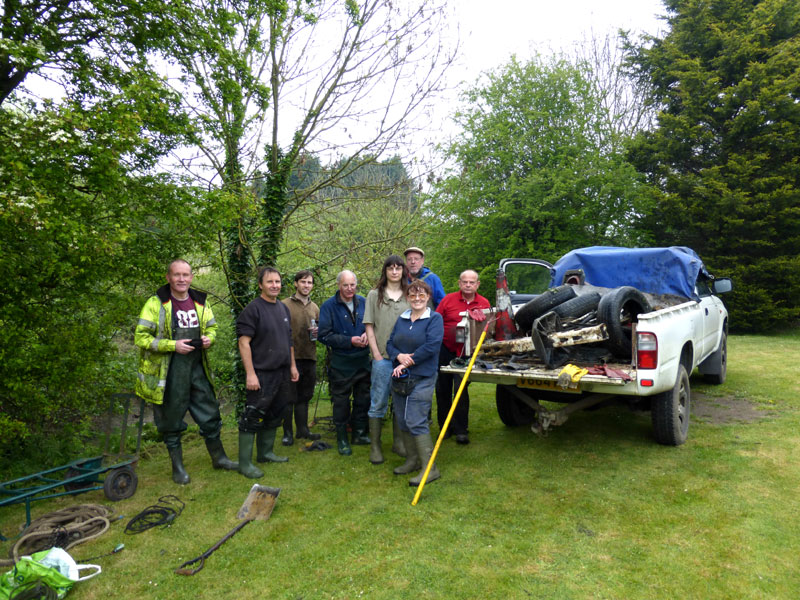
pixel 258 505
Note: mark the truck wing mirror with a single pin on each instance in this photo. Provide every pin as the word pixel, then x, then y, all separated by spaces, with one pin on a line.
pixel 722 286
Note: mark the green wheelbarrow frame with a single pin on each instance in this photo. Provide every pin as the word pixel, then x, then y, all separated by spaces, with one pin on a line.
pixel 84 474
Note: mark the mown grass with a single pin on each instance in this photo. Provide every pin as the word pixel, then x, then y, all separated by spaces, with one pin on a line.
pixel 595 509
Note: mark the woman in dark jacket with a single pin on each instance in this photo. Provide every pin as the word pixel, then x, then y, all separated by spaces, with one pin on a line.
pixel 413 348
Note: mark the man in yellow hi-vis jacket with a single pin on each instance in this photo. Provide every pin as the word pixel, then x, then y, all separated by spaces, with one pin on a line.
pixel 175 329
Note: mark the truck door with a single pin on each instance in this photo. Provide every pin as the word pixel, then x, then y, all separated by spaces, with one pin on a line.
pixel 526 278
pixel 710 315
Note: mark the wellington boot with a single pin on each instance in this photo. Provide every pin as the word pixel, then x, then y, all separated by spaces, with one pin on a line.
pixel 265 442
pixel 359 436
pixel 246 466
pixel 179 474
pixel 412 456
pixel 341 441
pixel 375 450
pixel 398 447
pixel 287 439
pixel 424 446
pixel 301 419
pixel 220 460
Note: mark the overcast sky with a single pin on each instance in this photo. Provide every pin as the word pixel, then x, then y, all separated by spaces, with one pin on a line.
pixel 492 30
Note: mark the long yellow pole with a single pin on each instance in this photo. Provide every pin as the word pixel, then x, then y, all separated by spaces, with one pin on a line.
pixel 450 415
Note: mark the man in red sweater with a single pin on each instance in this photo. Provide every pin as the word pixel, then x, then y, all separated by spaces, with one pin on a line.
pixel 451 307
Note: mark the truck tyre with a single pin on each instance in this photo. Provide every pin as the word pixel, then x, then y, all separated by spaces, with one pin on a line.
pixel 512 411
pixel 619 309
pixel 715 367
pixel 543 303
pixel 578 306
pixel 670 412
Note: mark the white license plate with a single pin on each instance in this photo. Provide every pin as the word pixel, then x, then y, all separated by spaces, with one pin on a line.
pixel 533 383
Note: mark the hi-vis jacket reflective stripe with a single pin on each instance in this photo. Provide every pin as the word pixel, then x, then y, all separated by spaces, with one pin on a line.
pixel 154 339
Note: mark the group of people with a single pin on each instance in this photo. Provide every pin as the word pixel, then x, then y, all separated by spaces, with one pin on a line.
pixel 389 344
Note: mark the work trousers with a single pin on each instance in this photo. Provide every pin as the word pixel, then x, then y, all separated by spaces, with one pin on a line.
pixel 187 388
pixel 342 386
pixel 446 388
pixel 264 408
pixel 412 410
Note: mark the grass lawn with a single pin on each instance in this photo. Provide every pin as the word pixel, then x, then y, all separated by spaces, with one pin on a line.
pixel 595 509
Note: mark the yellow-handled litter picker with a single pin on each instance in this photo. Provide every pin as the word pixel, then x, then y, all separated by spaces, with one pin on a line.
pixel 450 414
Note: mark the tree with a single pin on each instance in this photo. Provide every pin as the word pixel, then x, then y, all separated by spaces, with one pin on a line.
pixel 86 217
pixel 354 224
pixel 540 169
pixel 726 80
pixel 343 79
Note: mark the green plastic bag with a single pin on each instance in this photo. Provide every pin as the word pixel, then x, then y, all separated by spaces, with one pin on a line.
pixel 54 567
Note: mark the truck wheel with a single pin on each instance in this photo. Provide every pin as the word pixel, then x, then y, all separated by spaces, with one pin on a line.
pixel 512 411
pixel 543 303
pixel 715 367
pixel 670 412
pixel 578 306
pixel 619 309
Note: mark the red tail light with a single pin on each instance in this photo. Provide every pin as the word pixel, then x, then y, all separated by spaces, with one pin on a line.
pixel 646 350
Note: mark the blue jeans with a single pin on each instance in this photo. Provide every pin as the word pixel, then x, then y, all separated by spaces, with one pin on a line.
pixel 380 386
pixel 412 410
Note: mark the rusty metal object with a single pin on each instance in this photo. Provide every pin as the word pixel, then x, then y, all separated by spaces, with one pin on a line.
pixel 574 337
pixel 508 347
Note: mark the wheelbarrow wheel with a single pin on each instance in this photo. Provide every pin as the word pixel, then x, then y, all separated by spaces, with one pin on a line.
pixel 76 485
pixel 120 483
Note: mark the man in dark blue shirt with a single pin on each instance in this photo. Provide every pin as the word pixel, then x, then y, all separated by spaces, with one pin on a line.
pixel 341 329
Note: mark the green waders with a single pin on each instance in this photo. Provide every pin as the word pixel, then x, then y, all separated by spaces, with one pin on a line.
pixel 187 388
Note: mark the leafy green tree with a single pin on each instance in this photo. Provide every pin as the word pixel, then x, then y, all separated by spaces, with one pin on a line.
pixel 82 225
pixel 269 82
pixel 354 224
pixel 540 170
pixel 726 82
pixel 87 222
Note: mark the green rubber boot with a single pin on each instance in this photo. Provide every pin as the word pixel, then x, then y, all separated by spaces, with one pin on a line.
pixel 375 450
pixel 341 441
pixel 265 442
pixel 220 460
pixel 246 466
pixel 179 474
pixel 424 445
pixel 398 447
pixel 412 457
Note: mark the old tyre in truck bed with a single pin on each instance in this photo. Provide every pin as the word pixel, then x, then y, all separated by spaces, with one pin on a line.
pixel 670 411
pixel 578 306
pixel 619 309
pixel 513 412
pixel 543 303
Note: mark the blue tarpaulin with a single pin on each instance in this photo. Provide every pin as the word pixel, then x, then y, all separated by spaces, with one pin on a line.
pixel 671 270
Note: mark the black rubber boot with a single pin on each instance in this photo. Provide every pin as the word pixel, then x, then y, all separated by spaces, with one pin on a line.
pixel 424 446
pixel 398 447
pixel 265 442
pixel 179 474
pixel 246 466
pixel 412 457
pixel 359 436
pixel 375 450
pixel 287 439
pixel 220 460
pixel 301 420
pixel 341 441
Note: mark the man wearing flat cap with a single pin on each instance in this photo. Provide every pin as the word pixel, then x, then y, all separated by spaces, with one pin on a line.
pixel 415 260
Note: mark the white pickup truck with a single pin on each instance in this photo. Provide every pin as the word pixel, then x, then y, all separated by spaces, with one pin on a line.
pixel 602 324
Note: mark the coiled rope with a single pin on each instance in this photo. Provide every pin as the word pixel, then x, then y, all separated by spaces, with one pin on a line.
pixel 63 528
